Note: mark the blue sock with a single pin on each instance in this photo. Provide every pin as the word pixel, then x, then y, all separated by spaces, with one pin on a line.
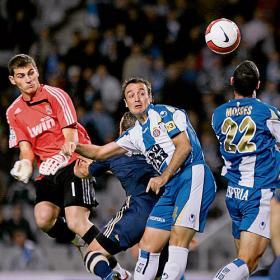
pixel 97 264
pixel 274 271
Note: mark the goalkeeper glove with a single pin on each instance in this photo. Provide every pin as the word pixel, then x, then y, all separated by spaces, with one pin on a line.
pixel 54 163
pixel 22 170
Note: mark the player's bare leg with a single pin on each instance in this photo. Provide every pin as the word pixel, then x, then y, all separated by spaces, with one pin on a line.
pixel 275 237
pixel 77 218
pixel 247 260
pixel 48 220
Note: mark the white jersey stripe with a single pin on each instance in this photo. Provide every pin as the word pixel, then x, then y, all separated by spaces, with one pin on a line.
pixel 261 224
pixel 247 171
pixel 63 103
pixel 190 214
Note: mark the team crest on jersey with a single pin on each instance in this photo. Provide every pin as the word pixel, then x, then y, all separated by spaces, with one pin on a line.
pixel 48 109
pixel 170 126
pixel 163 114
pixel 156 132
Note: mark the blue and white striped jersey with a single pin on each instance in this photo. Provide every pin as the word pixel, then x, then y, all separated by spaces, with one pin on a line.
pixel 247 130
pixel 154 138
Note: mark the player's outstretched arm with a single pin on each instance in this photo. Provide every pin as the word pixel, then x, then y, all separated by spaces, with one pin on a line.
pixel 94 151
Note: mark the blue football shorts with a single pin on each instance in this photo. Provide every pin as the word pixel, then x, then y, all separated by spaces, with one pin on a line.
pixel 249 209
pixel 186 200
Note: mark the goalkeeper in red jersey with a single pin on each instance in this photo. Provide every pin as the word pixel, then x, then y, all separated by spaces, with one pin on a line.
pixel 41 120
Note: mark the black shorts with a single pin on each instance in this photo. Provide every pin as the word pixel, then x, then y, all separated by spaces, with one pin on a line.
pixel 65 189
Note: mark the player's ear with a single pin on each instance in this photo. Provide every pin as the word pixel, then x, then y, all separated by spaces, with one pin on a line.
pixel 38 72
pixel 125 103
pixel 258 84
pixel 151 99
pixel 231 81
pixel 12 80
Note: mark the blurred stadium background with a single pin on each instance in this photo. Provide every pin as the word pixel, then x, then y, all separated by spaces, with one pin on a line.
pixel 87 47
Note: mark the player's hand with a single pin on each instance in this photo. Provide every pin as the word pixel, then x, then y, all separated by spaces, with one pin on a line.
pixel 156 183
pixel 22 170
pixel 81 167
pixel 51 165
pixel 68 148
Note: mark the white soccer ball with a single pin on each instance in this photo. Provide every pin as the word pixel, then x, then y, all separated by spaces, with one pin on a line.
pixel 222 36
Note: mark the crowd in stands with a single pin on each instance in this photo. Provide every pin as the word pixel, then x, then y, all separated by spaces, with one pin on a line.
pixel 161 40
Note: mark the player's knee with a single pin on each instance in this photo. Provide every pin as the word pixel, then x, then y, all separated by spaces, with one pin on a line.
pixel 44 220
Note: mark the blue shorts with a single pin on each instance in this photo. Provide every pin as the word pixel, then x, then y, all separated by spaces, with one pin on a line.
pixel 249 209
pixel 186 200
pixel 127 227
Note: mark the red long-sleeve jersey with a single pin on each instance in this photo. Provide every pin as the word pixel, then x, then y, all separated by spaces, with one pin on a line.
pixel 41 120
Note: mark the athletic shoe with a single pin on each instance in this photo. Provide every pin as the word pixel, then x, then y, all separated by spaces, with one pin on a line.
pixel 80 244
pixel 115 276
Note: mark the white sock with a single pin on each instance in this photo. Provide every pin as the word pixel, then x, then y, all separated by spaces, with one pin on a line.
pixel 146 266
pixel 177 261
pixel 236 270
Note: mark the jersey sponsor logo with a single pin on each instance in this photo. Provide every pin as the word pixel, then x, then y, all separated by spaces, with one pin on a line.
pixel 156 156
pixel 238 193
pixel 163 114
pixel 156 132
pixel 157 219
pixel 170 126
pixel 45 124
pixel 12 138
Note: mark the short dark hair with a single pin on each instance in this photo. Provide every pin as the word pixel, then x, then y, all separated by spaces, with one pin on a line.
pixel 128 120
pixel 19 60
pixel 136 80
pixel 245 78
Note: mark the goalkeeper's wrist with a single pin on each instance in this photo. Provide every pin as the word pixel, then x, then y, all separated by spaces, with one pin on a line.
pixel 27 161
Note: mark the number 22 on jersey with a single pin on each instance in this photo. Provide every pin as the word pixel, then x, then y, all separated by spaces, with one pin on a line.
pixel 247 128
